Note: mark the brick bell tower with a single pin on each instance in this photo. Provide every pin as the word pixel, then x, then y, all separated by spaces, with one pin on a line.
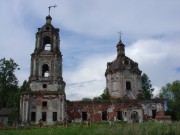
pixel 46 100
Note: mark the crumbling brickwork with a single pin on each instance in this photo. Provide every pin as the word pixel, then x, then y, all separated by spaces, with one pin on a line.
pixel 124 110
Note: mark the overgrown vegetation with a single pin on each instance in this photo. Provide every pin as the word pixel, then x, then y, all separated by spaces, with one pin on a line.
pixel 101 129
pixel 147 89
pixel 171 93
pixel 104 96
pixel 9 89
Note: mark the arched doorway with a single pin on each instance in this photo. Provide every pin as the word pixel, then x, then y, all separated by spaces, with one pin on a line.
pixel 135 117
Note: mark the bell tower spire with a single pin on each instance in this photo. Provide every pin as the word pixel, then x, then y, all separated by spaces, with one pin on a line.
pixel 46 60
pixel 120 47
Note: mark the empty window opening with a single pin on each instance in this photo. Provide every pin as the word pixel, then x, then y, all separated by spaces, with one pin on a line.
pixel 47 28
pixel 45 70
pixel 44 86
pixel 33 116
pixel 44 104
pixel 126 62
pixel 47 47
pixel 84 116
pixel 128 85
pixel 47 43
pixel 54 117
pixel 153 114
pixel 44 116
pixel 104 115
pixel 119 115
pixel 47 40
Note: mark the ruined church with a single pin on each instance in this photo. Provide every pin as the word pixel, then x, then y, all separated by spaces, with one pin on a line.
pixel 47 99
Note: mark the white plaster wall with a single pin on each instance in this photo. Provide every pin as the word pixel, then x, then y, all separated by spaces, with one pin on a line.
pixel 53 105
pixel 36 86
pixel 117 87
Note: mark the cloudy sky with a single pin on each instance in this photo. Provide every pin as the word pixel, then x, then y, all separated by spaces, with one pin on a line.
pixel 89 34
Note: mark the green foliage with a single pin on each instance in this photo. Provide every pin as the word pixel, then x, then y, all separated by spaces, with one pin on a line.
pixel 97 98
pixel 102 128
pixel 171 93
pixel 25 87
pixel 8 82
pixel 104 96
pixel 86 99
pixel 9 91
pixel 146 88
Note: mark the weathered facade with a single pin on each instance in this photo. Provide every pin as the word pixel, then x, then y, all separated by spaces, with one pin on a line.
pixel 130 110
pixel 46 100
pixel 123 77
pixel 95 111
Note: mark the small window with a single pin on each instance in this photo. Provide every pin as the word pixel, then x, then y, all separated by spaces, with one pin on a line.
pixel 33 116
pixel 84 116
pixel 44 104
pixel 45 70
pixel 44 116
pixel 44 86
pixel 119 115
pixel 126 62
pixel 47 28
pixel 128 85
pixel 153 114
pixel 104 116
pixel 54 116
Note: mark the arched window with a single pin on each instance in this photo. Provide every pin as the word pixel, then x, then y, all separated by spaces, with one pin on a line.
pixel 45 70
pixel 47 43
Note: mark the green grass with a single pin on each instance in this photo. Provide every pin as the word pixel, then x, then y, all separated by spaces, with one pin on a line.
pixel 101 129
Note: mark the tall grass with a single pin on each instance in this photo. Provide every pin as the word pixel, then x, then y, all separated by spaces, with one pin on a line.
pixel 101 129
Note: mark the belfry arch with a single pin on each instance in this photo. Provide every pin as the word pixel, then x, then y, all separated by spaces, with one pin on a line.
pixel 47 43
pixel 45 70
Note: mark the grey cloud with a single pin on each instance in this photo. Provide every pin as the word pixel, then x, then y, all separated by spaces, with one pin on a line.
pixel 96 22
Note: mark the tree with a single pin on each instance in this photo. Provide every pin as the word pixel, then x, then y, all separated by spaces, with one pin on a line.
pixel 25 87
pixel 171 93
pixel 86 99
pixel 8 81
pixel 146 87
pixel 98 98
pixel 104 96
pixel 9 91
